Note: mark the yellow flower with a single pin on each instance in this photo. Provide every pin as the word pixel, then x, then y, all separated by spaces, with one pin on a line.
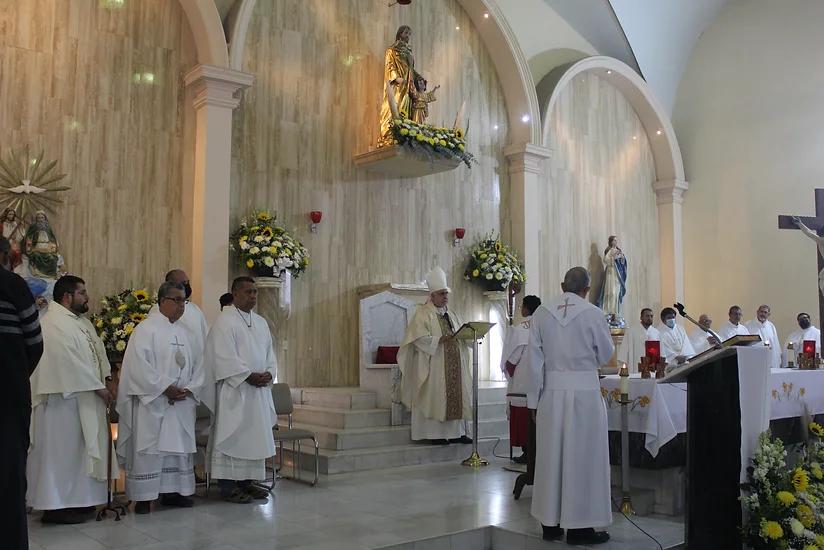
pixel 432 141
pixel 785 497
pixel 816 429
pixel 420 137
pixel 771 530
pixel 250 263
pixel 459 133
pixel 817 473
pixel 129 328
pixel 805 515
pixel 122 307
pixel 800 480
pixel 819 540
pixel 643 400
pixel 141 295
pixel 120 345
pixel 404 132
pixel 476 273
pixel 461 147
pixel 99 323
pixel 244 238
pixel 443 143
pixel 498 246
pixel 811 547
pixel 264 216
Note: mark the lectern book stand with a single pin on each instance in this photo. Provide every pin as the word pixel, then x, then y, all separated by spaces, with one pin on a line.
pixel 474 331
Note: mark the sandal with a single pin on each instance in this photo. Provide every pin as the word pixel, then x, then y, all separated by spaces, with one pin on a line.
pixel 238 496
pixel 256 492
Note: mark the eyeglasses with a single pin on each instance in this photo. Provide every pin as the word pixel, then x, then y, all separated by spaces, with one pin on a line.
pixel 178 301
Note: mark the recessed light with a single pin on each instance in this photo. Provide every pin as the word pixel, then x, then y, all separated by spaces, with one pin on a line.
pixel 609 72
pixel 525 118
pixel 634 137
pixel 457 28
pixel 495 127
pixel 658 132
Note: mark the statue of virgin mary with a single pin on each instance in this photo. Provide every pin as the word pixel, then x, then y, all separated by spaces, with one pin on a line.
pixel 615 283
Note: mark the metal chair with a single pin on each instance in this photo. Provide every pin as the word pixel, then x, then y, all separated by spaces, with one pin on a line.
pixel 282 396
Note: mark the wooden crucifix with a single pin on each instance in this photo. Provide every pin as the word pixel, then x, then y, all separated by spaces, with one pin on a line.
pixel 816 232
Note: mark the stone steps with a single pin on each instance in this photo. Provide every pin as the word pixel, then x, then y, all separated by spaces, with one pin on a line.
pixel 336 398
pixel 340 418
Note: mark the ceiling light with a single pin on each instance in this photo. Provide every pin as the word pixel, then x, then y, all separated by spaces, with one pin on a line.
pixel 658 132
pixel 525 118
pixel 486 16
pixel 457 28
pixel 495 127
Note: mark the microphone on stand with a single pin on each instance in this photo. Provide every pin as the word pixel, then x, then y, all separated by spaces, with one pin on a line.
pixel 679 307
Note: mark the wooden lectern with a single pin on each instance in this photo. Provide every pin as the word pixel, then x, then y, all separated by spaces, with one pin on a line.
pixel 722 433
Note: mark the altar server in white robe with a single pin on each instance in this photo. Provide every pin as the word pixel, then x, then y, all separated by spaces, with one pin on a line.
pixel 676 347
pixel 806 331
pixel 66 469
pixel 159 390
pixel 733 326
pixel 699 338
pixel 569 340
pixel 634 345
pixel 763 327
pixel 193 320
pixel 240 358
pixel 436 369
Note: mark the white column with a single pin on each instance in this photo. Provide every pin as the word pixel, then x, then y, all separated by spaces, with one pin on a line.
pixel 214 90
pixel 526 169
pixel 670 198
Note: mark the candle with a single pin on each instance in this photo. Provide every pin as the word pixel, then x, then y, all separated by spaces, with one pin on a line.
pixel 624 376
pixel 809 347
pixel 653 350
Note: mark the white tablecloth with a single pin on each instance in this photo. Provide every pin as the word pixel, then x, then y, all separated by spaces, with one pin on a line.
pixel 660 410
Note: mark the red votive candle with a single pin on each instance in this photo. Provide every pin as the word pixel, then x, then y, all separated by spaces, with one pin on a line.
pixel 653 349
pixel 808 347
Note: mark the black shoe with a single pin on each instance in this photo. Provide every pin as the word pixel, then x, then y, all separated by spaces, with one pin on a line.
pixel 143 507
pixel 176 500
pixel 438 442
pixel 553 533
pixel 520 483
pixel 63 517
pixel 463 439
pixel 586 536
pixel 523 459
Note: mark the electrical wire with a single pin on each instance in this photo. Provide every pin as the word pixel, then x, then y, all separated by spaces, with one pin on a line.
pixel 618 507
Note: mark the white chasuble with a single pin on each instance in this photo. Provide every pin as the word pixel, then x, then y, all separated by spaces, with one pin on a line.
pixel 699 339
pixel 436 378
pixel 674 343
pixel 238 345
pixel 157 436
pixel 728 330
pixel 569 341
pixel 69 440
pixel 633 348
pixel 769 338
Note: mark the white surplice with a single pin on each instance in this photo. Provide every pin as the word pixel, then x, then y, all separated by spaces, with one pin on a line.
pixel 633 347
pixel 728 330
pixel 238 345
pixel 156 438
pixel 569 341
pixel 699 340
pixel 194 323
pixel 674 342
pixel 797 338
pixel 769 337
pixel 424 387
pixel 68 454
pixel 514 352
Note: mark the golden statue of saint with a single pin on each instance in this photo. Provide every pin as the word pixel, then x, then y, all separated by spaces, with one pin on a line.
pixel 421 99
pixel 398 77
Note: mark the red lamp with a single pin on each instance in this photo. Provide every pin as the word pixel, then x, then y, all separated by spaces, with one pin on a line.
pixel 315 216
pixel 808 347
pixel 653 350
pixel 459 235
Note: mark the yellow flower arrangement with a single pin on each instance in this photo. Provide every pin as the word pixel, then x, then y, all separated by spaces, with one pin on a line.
pixel 267 248
pixel 432 140
pixel 785 497
pixel 119 316
pixel 800 480
pixel 816 429
pixel 493 265
pixel 772 530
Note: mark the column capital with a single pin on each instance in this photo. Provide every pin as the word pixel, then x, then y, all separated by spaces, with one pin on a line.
pixel 216 86
pixel 670 191
pixel 526 157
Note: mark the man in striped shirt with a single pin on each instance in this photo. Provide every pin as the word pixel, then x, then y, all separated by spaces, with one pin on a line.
pixel 21 346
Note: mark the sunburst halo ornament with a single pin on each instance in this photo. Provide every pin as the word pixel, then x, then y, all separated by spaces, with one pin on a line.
pixel 27 184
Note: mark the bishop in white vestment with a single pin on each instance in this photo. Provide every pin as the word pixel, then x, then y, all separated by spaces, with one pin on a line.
pixel 675 346
pixel 569 341
pixel 699 338
pixel 633 347
pixel 436 370
pixel 806 331
pixel 70 446
pixel 159 390
pixel 733 326
pixel 763 327
pixel 240 358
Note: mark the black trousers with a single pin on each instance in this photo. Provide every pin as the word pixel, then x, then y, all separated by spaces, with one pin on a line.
pixel 14 433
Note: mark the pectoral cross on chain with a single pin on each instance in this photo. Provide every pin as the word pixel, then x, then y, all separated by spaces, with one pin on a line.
pixel 565 306
pixel 180 359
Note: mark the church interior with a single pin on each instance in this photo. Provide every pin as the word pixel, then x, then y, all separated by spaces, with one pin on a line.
pixel 652 143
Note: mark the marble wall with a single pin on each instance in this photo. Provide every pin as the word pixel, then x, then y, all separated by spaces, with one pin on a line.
pixel 599 183
pixel 98 84
pixel 318 69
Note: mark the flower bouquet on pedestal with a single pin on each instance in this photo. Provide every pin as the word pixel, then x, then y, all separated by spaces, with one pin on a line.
pixel 119 316
pixel 493 265
pixel 267 249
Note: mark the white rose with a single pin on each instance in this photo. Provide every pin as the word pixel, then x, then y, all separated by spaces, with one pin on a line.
pixel 244 245
pixel 797 527
pixel 258 238
pixel 116 320
pixel 145 307
pixel 268 261
pixel 254 250
pixel 499 275
pixel 120 345
pixel 488 276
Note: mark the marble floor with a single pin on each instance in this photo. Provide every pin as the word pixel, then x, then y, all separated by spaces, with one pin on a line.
pixel 446 503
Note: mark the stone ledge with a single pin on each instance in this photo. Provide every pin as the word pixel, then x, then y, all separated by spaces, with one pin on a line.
pixel 402 162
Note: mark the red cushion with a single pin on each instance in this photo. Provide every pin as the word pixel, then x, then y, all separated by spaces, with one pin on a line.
pixel 387 355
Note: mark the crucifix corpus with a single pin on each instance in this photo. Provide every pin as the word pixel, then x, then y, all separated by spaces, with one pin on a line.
pixel 813 227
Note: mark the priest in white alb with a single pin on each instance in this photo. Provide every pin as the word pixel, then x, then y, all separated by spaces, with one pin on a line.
pixel 159 390
pixel 70 446
pixel 633 348
pixel 436 370
pixel 193 320
pixel 569 340
pixel 806 331
pixel 733 326
pixel 676 347
pixel 763 327
pixel 700 339
pixel 241 359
